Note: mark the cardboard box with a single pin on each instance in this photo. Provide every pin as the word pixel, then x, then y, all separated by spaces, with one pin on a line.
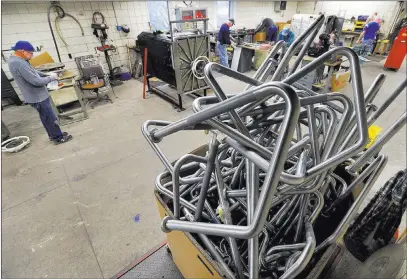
pixel 339 80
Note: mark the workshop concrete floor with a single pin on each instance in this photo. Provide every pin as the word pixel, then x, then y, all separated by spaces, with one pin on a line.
pixel 86 209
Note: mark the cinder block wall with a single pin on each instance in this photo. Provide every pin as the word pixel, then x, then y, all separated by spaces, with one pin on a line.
pixel 28 21
pixel 250 13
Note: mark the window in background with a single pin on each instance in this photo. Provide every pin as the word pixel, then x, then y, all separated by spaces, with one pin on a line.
pixel 157 10
pixel 223 12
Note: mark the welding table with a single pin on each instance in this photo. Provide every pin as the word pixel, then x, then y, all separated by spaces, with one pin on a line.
pixel 68 93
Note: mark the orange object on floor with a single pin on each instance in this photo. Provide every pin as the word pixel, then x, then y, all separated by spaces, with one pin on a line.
pixel 398 51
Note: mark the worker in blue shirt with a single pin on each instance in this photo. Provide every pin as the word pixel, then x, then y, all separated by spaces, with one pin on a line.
pixel 286 35
pixel 368 36
pixel 224 41
pixel 271 33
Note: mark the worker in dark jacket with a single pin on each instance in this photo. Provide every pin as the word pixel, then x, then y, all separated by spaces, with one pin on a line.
pixel 268 26
pixel 272 32
pixel 33 86
pixel 224 41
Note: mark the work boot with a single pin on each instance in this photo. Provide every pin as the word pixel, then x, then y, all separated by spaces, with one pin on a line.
pixel 64 139
pixel 63 133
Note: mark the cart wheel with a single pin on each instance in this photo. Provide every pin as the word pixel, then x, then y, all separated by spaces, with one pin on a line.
pixel 167 248
pixel 384 68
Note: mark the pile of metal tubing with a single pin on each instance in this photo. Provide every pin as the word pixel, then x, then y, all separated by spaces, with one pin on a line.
pixel 281 158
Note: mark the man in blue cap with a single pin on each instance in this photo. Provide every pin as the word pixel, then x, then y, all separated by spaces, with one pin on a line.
pixel 223 41
pixel 33 86
pixel 286 35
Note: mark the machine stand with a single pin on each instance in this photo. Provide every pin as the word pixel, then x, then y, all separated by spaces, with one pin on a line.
pixel 160 93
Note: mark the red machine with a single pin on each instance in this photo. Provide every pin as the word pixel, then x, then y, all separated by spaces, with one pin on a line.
pixel 398 51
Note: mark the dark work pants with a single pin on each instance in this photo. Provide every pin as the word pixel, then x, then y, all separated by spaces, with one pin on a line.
pixel 48 119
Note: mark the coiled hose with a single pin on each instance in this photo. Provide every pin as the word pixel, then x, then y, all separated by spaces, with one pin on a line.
pixel 57 20
pixel 61 14
pixel 50 25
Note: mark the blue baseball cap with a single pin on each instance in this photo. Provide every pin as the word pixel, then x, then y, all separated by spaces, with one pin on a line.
pixel 285 31
pixel 23 45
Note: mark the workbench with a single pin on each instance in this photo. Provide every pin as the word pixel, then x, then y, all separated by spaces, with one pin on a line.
pixel 66 93
pixel 247 52
pixel 349 35
pixel 242 58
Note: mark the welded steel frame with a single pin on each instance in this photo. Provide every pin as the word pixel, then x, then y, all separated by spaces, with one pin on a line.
pixel 178 63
